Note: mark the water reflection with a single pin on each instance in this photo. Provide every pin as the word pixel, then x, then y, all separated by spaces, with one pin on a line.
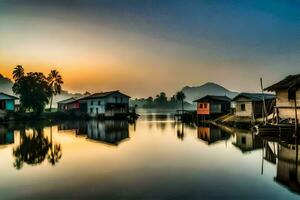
pixel 285 155
pixel 211 133
pixel 55 150
pixel 246 140
pixel 6 136
pixel 149 155
pixel 108 131
pixel 34 148
pixel 180 131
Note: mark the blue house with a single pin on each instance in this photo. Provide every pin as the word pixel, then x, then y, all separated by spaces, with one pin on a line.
pixel 7 102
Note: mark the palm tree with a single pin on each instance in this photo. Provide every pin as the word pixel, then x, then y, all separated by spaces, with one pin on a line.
pixel 18 72
pixel 55 81
pixel 180 96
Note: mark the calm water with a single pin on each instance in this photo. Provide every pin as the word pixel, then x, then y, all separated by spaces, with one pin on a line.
pixel 155 158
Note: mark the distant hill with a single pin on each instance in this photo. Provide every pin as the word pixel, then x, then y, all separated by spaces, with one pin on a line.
pixel 6 87
pixel 193 93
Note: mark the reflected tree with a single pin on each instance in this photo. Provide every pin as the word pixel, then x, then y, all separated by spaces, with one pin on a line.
pixel 55 153
pixel 35 148
pixel 32 150
pixel 180 133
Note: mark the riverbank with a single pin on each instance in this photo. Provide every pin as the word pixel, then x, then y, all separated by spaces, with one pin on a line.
pixel 58 116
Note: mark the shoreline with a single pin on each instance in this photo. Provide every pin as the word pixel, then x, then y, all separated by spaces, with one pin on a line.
pixel 17 117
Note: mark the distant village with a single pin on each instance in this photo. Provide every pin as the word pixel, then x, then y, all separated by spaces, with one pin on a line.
pixel 282 107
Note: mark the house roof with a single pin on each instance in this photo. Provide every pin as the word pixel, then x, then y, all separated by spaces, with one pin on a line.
pixel 9 96
pixel 214 98
pixel 103 95
pixel 290 82
pixel 69 100
pixel 255 96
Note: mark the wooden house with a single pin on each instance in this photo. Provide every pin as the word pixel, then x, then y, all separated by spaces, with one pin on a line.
pixel 287 96
pixel 213 105
pixel 69 104
pixel 7 102
pixel 108 104
pixel 251 104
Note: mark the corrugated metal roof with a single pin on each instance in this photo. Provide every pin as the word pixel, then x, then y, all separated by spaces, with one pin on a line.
pixel 103 94
pixel 215 98
pixel 69 100
pixel 255 96
pixel 290 82
pixel 9 96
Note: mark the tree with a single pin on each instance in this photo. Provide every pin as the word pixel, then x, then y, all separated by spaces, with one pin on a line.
pixel 18 72
pixel 34 91
pixel 55 81
pixel 161 99
pixel 180 96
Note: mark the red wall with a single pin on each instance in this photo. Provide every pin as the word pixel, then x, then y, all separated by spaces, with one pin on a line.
pixel 204 110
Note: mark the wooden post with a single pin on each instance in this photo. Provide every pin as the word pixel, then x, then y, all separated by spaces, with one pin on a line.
pixel 264 114
pixel 296 117
pixel 277 116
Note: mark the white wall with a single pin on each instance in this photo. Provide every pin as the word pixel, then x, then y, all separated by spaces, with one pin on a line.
pixel 94 105
pixel 283 101
pixel 248 105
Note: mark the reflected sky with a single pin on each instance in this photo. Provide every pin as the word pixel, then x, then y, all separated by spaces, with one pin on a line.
pixel 148 163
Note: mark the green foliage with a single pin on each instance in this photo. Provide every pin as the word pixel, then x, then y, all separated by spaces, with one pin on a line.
pixel 18 72
pixel 55 81
pixel 35 89
pixel 180 96
pixel 161 101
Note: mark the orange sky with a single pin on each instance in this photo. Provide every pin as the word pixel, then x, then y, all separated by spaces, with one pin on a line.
pixel 145 50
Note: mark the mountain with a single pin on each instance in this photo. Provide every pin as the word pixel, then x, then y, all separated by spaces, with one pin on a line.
pixel 6 85
pixel 193 93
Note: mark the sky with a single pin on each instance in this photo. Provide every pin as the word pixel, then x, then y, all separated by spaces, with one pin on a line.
pixel 143 47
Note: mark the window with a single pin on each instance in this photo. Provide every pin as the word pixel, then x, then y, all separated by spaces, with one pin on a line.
pixel 92 103
pixel 96 110
pixel 292 94
pixel 205 105
pixel 243 140
pixel 99 103
pixel 91 110
pixel 116 99
pixel 201 105
pixel 121 99
pixel 243 107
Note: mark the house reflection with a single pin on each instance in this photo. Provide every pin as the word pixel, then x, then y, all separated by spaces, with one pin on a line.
pixel 6 136
pixel 246 141
pixel 108 131
pixel 285 155
pixel 288 173
pixel 212 134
